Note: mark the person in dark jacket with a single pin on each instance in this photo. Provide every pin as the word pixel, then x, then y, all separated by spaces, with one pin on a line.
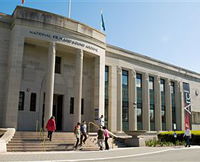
pixel 100 137
pixel 51 127
pixel 83 130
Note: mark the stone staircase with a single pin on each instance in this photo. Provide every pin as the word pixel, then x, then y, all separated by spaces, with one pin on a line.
pixel 36 141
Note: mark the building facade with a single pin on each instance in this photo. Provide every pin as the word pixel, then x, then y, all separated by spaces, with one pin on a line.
pixel 52 65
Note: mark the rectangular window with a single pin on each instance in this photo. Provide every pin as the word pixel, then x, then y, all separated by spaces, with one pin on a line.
pixel 162 85
pixel 58 65
pixel 151 83
pixel 33 102
pixel 152 103
pixel 172 89
pixel 21 101
pixel 139 80
pixel 72 105
pixel 139 100
pixel 82 106
pixel 125 104
pixel 163 105
pixel 106 95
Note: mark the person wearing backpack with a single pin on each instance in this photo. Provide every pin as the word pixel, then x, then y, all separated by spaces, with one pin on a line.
pixel 83 130
pixel 77 134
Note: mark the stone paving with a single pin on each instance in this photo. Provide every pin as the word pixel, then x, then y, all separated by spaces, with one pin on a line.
pixel 84 155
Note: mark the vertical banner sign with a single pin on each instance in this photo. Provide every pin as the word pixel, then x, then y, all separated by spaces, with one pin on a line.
pixel 187 106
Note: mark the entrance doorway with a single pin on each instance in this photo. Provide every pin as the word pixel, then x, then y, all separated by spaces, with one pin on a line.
pixel 57 110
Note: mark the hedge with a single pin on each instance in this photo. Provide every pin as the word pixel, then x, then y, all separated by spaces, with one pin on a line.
pixel 168 136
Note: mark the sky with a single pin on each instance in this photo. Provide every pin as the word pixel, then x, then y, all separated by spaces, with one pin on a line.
pixel 166 30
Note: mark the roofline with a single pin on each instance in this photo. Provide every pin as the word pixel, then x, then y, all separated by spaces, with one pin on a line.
pixel 151 59
pixel 69 19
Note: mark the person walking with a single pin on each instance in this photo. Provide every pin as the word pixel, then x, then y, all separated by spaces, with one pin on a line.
pixel 101 121
pixel 83 130
pixel 51 127
pixel 187 136
pixel 77 134
pixel 100 137
pixel 106 135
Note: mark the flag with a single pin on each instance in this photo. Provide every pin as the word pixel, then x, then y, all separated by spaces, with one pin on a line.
pixel 102 22
pixel 23 1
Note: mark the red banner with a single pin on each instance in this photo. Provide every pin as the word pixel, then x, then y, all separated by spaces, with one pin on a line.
pixel 187 106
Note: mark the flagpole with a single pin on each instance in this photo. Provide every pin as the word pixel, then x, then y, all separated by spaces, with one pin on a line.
pixel 69 9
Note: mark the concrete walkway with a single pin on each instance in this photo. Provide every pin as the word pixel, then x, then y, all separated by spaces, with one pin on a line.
pixel 86 155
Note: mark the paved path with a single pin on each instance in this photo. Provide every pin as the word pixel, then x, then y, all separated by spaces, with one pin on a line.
pixel 127 154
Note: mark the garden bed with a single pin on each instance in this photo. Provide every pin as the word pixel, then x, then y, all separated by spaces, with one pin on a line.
pixel 173 138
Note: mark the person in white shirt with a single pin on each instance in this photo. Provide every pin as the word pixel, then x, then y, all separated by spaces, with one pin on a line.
pixel 101 121
pixel 187 136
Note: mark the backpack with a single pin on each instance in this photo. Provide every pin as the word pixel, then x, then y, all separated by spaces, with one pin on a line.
pixel 75 129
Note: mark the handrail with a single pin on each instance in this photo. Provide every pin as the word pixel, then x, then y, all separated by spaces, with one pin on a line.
pixel 92 123
pixel 42 135
pixel 97 126
pixel 36 126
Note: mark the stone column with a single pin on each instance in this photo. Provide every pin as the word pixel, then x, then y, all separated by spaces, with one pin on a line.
pixel 119 99
pixel 78 86
pixel 101 95
pixel 168 105
pixel 158 117
pixel 112 113
pixel 14 75
pixel 132 101
pixel 179 103
pixel 50 82
pixel 146 104
pixel 99 85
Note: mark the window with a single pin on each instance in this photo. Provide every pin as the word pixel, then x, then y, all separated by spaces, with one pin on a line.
pixel 162 85
pixel 125 104
pixel 106 94
pixel 72 105
pixel 21 100
pixel 172 88
pixel 82 106
pixel 139 80
pixel 139 100
pixel 151 83
pixel 58 65
pixel 33 102
pixel 152 103
pixel 163 105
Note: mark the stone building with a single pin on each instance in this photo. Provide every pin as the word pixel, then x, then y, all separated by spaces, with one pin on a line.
pixel 53 65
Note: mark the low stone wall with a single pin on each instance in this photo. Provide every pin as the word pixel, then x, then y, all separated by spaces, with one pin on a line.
pixel 139 138
pixel 139 141
pixel 7 134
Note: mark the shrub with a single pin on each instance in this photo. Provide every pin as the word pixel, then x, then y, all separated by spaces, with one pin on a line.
pixel 154 143
pixel 168 136
pixel 151 143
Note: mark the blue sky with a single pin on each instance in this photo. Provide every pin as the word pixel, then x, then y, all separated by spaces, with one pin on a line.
pixel 167 30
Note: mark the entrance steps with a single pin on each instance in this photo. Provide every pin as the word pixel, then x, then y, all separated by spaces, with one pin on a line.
pixel 35 141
